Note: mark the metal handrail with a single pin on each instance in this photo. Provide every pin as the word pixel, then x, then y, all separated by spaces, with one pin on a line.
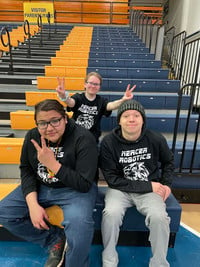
pixel 193 88
pixel 8 44
pixel 27 33
pixel 40 26
pixel 189 70
pixel 176 53
pixel 49 25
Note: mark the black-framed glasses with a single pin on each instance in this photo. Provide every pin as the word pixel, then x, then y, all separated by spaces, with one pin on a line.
pixel 42 125
pixel 94 84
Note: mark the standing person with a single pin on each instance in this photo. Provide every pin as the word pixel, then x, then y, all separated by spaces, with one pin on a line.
pixel 58 167
pixel 130 158
pixel 89 107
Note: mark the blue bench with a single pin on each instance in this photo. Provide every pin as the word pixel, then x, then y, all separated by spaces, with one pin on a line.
pixel 116 46
pixel 130 73
pixel 123 63
pixel 133 231
pixel 143 85
pixel 186 186
pixel 120 55
pixel 158 122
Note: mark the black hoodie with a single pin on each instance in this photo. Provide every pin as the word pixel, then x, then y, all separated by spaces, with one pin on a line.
pixel 130 166
pixel 77 152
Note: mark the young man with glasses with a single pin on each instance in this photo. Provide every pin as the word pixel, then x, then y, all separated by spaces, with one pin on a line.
pixel 89 107
pixel 58 167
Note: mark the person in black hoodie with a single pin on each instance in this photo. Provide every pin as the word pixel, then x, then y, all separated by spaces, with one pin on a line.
pixel 58 167
pixel 138 167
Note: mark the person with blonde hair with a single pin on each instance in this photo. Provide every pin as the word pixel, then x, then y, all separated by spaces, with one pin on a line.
pixel 89 107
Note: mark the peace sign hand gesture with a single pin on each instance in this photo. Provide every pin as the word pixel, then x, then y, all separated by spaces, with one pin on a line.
pixel 60 89
pixel 44 154
pixel 128 93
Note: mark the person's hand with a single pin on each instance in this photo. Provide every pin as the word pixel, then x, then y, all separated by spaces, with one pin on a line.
pixel 44 154
pixel 162 190
pixel 60 89
pixel 129 92
pixel 39 217
pixel 167 191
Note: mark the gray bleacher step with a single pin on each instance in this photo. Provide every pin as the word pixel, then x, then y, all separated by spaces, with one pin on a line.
pixel 23 72
pixel 49 35
pixel 60 31
pixel 34 53
pixel 13 105
pixel 37 44
pixel 52 36
pixel 37 48
pixel 8 101
pixel 18 69
pixel 5 125
pixel 6 108
pixel 13 89
pixel 18 79
pixel 46 41
pixel 24 60
pixel 12 95
pixel 47 47
pixel 6 134
pixel 8 171
pixel 5 128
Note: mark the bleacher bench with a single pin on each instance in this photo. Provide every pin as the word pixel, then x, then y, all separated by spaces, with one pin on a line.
pixel 133 231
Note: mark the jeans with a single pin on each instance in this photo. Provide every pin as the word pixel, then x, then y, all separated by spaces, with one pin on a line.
pixel 78 220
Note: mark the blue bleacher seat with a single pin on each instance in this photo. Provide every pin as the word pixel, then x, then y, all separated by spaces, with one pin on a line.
pixel 135 222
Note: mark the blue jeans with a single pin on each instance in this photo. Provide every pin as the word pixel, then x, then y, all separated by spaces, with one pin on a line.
pixel 78 220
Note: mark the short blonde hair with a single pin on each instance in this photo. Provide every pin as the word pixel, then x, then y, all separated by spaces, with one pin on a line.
pixel 94 74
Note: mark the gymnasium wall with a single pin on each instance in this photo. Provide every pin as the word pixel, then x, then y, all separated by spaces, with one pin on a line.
pixel 101 11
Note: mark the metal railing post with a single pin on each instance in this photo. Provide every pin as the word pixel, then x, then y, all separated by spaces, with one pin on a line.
pixel 8 44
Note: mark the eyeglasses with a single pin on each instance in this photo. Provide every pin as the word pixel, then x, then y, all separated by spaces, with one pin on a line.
pixel 94 84
pixel 44 124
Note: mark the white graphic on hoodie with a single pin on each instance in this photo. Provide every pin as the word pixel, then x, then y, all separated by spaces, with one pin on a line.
pixel 136 171
pixel 45 174
pixel 85 120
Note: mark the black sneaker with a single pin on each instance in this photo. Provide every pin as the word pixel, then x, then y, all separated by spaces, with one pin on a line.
pixel 57 253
